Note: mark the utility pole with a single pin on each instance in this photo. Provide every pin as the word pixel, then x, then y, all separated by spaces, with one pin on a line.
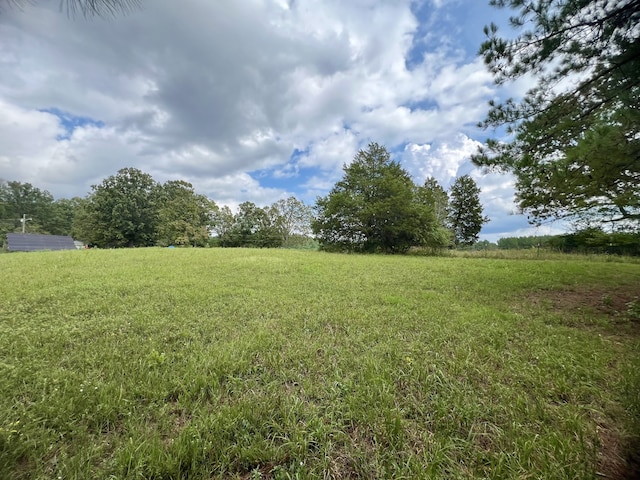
pixel 24 220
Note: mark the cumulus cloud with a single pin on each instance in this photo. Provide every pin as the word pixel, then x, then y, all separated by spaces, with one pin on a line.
pixel 441 160
pixel 26 136
pixel 247 101
pixel 447 160
pixel 232 190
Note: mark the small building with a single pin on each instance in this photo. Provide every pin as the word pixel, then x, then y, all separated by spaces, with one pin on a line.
pixel 33 242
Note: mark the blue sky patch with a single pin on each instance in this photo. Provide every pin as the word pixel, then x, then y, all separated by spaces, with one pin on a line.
pixel 70 122
pixel 425 104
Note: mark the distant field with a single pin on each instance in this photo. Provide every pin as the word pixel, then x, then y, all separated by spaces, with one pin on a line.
pixel 220 363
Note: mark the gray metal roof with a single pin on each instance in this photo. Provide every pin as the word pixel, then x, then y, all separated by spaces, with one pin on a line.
pixel 31 242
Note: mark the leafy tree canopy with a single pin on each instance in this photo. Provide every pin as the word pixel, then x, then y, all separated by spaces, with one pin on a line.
pixel 374 208
pixel 223 226
pixel 43 214
pixel 595 240
pixel 251 226
pixel 526 242
pixel 285 223
pixel 574 139
pixel 292 217
pixel 122 210
pixel 255 227
pixel 63 211
pixel 184 217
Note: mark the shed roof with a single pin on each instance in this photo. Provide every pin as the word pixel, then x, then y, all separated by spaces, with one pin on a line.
pixel 31 242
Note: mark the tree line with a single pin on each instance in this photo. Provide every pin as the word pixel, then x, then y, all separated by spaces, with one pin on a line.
pixel 376 207
pixel 131 209
pixel 590 240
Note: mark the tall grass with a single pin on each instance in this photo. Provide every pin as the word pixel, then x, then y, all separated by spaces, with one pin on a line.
pixel 216 363
pixel 540 254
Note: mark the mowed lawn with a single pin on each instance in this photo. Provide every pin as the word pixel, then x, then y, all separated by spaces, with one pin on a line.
pixel 223 363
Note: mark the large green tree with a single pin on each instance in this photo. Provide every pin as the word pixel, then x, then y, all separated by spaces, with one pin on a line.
pixel 573 141
pixel 84 222
pixel 246 224
pixel 122 211
pixel 373 208
pixel 272 226
pixel 465 211
pixel 269 233
pixel 184 217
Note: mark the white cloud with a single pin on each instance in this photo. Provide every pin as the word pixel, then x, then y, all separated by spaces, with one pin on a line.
pixel 213 92
pixel 447 160
pixel 232 190
pixel 528 231
pixel 332 152
pixel 441 160
pixel 25 135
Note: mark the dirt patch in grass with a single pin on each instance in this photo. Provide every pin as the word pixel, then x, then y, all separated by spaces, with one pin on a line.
pixel 618 311
pixel 621 302
pixel 617 460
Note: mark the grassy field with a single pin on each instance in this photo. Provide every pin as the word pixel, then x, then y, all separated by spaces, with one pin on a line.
pixel 215 363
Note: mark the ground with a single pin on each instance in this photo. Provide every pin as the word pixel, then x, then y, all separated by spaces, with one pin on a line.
pixel 619 457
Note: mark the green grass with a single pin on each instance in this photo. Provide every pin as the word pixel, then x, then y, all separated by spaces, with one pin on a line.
pixel 216 363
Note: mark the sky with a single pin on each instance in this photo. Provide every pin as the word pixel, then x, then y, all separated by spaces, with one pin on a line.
pixel 252 100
